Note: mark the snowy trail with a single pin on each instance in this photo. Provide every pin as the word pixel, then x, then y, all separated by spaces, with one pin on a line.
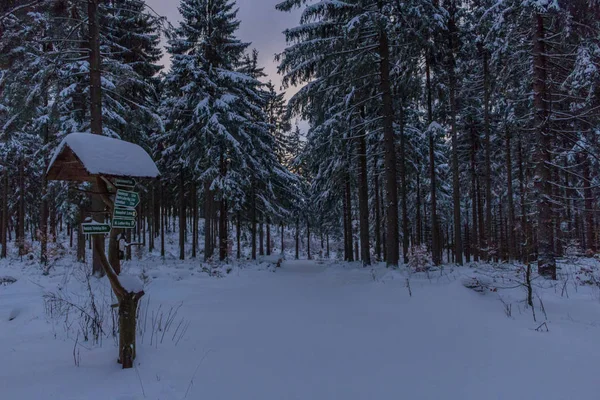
pixel 314 332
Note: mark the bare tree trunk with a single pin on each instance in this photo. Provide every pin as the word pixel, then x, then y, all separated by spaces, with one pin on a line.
pixel 4 230
pixel 21 223
pixel 268 225
pixel 383 233
pixel 113 250
pixel 377 213
pixel 163 221
pixel 436 248
pixel 391 185
pixel 80 237
pixel 511 240
pixel 589 208
pixel 455 171
pixel 523 238
pixel 403 188
pixel 308 239
pixel 43 233
pixel 208 201
pixel 282 245
pixel 182 215
pixel 297 238
pixel 348 215
pixel 44 206
pixel 419 218
pixel 223 232
pixel 194 193
pixel 95 62
pixel 238 236
pixel 363 201
pixel 150 218
pixel 474 233
pixel 543 187
pixel 253 225
pixel 261 238
pixel 488 151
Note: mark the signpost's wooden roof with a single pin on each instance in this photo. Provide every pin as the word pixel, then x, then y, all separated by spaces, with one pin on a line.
pixel 83 156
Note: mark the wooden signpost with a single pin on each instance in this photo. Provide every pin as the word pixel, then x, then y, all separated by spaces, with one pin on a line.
pixel 77 159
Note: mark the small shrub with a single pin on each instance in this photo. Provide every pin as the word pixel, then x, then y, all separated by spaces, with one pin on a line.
pixel 420 259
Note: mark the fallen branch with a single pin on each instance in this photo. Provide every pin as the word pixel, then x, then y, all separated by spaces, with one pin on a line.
pixel 539 328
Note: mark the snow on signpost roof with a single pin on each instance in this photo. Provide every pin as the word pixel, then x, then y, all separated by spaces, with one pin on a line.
pixel 80 156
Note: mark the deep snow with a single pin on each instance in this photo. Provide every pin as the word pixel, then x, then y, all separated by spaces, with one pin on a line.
pixel 102 155
pixel 309 330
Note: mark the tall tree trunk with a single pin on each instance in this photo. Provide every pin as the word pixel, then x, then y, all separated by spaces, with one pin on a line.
pixel 44 205
pixel 80 237
pixel 455 171
pixel 511 240
pixel 268 225
pixel 4 230
pixel 282 244
pixel 419 218
pixel 524 238
pixel 363 201
pixel 383 233
pixel 157 204
pixel 377 212
pixel 474 232
pixel 150 217
pixel 349 254
pixel 436 248
pixel 403 188
pixel 95 62
pixel 308 239
pixel 182 215
pixel 488 152
pixel 261 238
pixel 542 155
pixel 43 233
pixel 253 225
pixel 163 221
pixel 391 184
pixel 194 193
pixel 21 205
pixel 590 240
pixel 223 232
pixel 238 236
pixel 208 202
pixel 297 255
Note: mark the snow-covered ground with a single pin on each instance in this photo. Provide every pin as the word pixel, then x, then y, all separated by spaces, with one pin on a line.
pixel 310 330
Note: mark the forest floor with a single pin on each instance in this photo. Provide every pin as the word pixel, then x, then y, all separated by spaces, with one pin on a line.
pixel 311 330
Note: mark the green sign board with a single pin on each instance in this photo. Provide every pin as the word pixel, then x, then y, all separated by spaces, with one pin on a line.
pixel 94 228
pixel 127 199
pixel 122 223
pixel 124 213
pixel 124 182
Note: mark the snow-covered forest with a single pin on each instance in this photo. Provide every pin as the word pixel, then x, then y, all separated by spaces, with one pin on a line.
pixel 407 139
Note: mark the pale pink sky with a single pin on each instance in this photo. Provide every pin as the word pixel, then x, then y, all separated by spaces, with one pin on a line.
pixel 261 24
